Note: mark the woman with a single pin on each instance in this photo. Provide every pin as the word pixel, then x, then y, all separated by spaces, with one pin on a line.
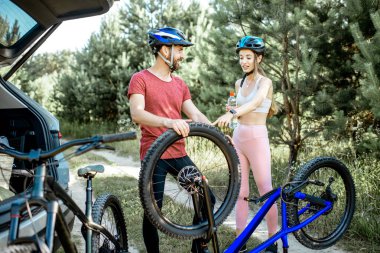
pixel 254 105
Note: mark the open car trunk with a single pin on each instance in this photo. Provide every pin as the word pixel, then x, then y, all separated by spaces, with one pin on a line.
pixel 24 26
pixel 27 125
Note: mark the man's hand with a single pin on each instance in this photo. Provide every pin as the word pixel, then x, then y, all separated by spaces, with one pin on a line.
pixel 180 126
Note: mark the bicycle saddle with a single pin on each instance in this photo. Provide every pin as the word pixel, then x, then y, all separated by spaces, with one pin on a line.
pixel 90 170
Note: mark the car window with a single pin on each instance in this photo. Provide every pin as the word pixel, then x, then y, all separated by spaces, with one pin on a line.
pixel 14 23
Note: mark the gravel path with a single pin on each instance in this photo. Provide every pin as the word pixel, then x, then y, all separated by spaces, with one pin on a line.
pixel 127 167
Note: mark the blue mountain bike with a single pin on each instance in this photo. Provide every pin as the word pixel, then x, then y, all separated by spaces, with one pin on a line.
pixel 317 205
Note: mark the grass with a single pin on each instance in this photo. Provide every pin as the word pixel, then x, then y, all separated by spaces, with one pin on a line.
pixel 126 189
pixel 364 232
pixel 76 131
pixel 86 159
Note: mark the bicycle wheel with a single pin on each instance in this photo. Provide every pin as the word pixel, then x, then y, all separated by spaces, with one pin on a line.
pixel 20 248
pixel 167 184
pixel 328 228
pixel 107 212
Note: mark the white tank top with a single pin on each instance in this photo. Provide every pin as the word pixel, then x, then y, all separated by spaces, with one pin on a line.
pixel 241 100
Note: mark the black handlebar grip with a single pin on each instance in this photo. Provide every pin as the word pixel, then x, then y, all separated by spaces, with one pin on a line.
pixel 119 137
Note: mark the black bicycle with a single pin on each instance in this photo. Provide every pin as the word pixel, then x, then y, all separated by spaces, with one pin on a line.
pixel 104 227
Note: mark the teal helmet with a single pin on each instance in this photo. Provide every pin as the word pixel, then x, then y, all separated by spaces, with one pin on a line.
pixel 253 43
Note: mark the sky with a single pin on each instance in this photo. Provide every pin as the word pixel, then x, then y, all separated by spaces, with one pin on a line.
pixel 74 34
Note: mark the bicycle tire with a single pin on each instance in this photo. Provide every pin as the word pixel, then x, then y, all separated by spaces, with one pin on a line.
pixel 215 158
pixel 327 229
pixel 20 248
pixel 107 211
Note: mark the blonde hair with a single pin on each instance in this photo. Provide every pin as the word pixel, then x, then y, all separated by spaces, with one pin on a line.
pixel 273 110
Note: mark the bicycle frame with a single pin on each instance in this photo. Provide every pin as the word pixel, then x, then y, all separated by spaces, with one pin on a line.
pixel 54 215
pixel 285 229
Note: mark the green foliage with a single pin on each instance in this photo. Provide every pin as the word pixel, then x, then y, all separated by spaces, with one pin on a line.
pixel 94 89
pixel 75 130
pixel 365 170
pixel 90 90
pixel 38 77
pixel 204 72
pixel 369 143
pixel 9 34
pixel 309 58
pixel 322 56
pixel 367 60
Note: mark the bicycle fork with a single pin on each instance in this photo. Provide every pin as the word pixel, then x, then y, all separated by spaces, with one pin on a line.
pixel 37 199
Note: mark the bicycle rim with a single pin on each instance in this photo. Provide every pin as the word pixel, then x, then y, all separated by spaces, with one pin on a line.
pixel 209 154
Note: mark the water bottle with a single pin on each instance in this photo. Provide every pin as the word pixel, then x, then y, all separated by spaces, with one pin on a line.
pixel 231 103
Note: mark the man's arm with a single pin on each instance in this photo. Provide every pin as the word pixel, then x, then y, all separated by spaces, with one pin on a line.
pixel 141 116
pixel 193 112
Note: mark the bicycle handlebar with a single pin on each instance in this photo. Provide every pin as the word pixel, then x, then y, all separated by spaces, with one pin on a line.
pixel 119 137
pixel 37 155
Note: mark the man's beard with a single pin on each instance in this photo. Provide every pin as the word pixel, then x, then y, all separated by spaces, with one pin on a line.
pixel 176 65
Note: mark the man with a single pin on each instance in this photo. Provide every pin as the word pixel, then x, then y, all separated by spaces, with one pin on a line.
pixel 157 99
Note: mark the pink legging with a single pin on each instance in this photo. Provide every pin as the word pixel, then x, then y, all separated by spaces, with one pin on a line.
pixel 252 145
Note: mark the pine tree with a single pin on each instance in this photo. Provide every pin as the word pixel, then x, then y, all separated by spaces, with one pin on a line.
pixel 38 76
pixel 368 62
pixel 94 89
pixel 157 14
pixel 300 61
pixel 367 123
pixel 9 34
pixel 204 72
pixel 88 91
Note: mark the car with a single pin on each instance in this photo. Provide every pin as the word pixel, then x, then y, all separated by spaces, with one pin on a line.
pixel 24 26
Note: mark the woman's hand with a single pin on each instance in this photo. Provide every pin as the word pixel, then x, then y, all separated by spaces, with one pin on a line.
pixel 224 120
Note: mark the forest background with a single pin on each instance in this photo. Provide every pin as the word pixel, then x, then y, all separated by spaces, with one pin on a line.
pixel 323 57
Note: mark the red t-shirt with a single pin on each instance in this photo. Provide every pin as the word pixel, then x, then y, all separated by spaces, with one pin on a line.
pixel 163 99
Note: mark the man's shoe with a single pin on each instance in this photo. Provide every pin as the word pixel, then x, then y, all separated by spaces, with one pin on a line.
pixel 205 249
pixel 271 249
pixel 243 249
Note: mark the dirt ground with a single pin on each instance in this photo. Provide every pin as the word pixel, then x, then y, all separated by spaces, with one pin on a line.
pixel 127 167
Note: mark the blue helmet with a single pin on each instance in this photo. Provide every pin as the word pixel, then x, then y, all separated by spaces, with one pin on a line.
pixel 256 44
pixel 167 36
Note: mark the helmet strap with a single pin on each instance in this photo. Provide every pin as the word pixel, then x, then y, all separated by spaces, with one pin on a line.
pixel 171 62
pixel 171 58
